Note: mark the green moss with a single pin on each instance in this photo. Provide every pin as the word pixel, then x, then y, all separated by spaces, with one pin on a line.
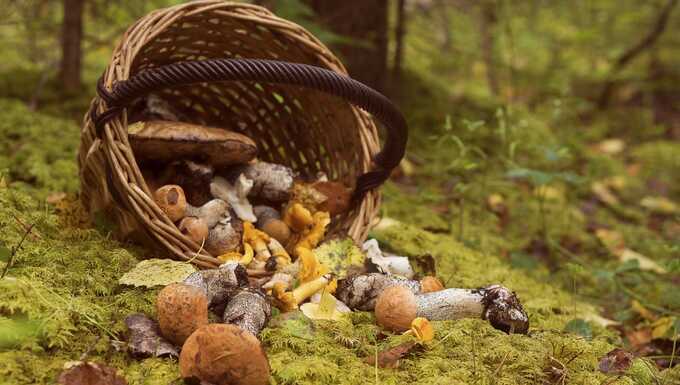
pixel 37 149
pixel 660 161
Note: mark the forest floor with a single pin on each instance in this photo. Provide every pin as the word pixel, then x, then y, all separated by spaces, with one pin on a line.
pixel 581 220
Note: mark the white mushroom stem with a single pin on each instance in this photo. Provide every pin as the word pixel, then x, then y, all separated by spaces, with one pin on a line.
pixel 361 291
pixel 495 303
pixel 387 264
pixel 273 182
pixel 236 195
pixel 211 212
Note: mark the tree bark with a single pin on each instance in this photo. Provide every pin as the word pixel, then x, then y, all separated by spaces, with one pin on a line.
pixel 365 23
pixel 399 46
pixel 71 39
pixel 631 53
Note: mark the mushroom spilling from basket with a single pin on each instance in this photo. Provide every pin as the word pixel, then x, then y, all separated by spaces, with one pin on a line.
pixel 267 226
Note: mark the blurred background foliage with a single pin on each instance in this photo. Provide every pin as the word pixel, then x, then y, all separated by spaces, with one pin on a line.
pixel 526 118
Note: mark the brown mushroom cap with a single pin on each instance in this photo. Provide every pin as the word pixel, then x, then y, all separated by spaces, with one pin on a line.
pixel 429 284
pixel 171 199
pixel 395 308
pixel 194 228
pixel 166 141
pixel 181 310
pixel 224 354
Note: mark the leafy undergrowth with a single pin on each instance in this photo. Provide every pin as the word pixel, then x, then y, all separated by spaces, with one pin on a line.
pixel 60 300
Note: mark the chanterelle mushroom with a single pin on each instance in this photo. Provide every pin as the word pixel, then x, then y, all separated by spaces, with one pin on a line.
pixel 397 306
pixel 167 141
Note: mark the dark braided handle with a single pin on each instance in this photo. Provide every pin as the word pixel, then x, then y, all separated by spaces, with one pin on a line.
pixel 269 71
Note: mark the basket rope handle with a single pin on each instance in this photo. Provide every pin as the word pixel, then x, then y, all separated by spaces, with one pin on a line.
pixel 269 71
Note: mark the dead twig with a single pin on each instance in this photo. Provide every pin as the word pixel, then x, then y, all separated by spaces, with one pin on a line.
pixel 13 253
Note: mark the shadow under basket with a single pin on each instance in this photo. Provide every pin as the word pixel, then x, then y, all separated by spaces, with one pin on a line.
pixel 238 67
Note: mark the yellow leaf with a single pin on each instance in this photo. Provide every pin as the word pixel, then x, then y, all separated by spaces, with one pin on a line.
pixel 644 262
pixel 659 204
pixel 642 311
pixel 662 327
pixel 326 305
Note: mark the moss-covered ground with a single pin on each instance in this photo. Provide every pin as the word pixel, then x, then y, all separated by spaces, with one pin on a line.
pixel 508 200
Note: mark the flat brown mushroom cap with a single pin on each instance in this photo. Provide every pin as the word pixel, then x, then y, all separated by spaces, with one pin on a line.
pixel 166 141
pixel 395 308
pixel 224 354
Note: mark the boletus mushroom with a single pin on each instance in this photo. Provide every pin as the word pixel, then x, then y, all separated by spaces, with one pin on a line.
pixel 167 141
pixel 397 307
pixel 181 309
pixel 224 354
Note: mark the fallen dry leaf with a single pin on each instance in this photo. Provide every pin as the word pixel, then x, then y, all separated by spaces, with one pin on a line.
pixel 145 340
pixel 639 338
pixel 89 373
pixel 604 194
pixel 611 146
pixel 659 205
pixel 617 361
pixel 390 358
pixel 644 262
pixel 55 198
pixel 642 311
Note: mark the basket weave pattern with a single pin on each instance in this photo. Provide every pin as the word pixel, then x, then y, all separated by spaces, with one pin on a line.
pixel 306 130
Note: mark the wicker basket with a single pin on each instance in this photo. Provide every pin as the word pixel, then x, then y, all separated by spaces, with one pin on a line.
pixel 232 65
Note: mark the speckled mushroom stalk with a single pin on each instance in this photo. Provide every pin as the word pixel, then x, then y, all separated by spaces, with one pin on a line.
pixel 360 292
pixel 248 309
pixel 397 306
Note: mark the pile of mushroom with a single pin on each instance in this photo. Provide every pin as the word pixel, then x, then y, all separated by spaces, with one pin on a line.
pixel 265 224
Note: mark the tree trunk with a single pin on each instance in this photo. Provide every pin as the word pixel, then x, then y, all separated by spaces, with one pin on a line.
pixel 486 30
pixel 365 23
pixel 399 47
pixel 71 38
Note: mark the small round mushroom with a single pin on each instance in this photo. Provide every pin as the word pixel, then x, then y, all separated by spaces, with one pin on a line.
pixel 167 141
pixel 194 228
pixel 224 354
pixel 397 306
pixel 181 310
pixel 172 201
pixel 269 220
pixel 430 284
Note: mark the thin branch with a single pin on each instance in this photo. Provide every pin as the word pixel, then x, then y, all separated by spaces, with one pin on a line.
pixel 16 248
pixel 643 45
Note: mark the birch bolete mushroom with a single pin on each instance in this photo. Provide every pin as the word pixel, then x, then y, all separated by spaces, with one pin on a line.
pixel 181 309
pixel 226 236
pixel 248 309
pixel 219 285
pixel 224 354
pixel 167 141
pixel 397 307
pixel 361 291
